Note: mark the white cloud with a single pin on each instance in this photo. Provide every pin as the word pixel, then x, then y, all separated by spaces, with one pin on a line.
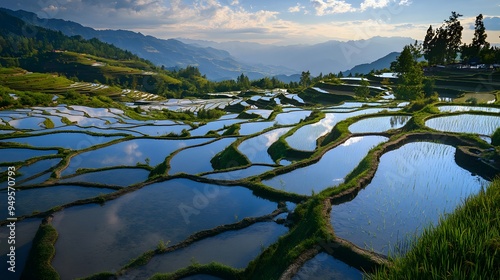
pixel 326 7
pixel 374 4
pixel 295 9
pixel 378 4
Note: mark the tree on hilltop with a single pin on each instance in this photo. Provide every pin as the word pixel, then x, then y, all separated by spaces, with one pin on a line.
pixel 441 46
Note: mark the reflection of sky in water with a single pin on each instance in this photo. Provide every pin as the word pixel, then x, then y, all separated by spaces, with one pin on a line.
pixel 94 112
pixel 254 127
pixel 457 108
pixel 43 199
pixel 322 265
pixel 197 159
pixel 28 123
pixel 130 225
pixel 84 121
pixel 13 155
pixel 116 177
pixel 239 174
pixel 255 148
pixel 157 130
pixel 412 187
pixel 128 153
pixel 64 140
pixel 467 123
pixel 329 171
pixel 40 166
pixel 305 137
pixel 291 117
pixel 234 248
pixel 378 124
pixel 216 125
pixel 263 113
pixel 25 232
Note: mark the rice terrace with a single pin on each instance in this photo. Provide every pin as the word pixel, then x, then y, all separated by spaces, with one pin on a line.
pixel 115 166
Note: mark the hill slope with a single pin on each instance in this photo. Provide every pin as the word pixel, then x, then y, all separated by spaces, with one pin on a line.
pixel 381 63
pixel 215 64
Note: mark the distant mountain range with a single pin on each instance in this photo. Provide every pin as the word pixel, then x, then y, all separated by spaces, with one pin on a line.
pixel 327 57
pixel 215 64
pixel 219 61
pixel 381 63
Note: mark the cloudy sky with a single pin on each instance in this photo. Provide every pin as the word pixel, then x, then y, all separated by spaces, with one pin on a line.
pixel 270 21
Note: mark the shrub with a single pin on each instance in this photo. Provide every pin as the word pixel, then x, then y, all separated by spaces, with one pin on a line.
pixel 495 138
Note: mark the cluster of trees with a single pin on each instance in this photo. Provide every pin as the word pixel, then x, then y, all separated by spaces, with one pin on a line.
pixel 442 45
pixel 20 39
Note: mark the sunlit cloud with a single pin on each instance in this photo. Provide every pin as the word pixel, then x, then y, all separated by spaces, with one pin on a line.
pixel 302 21
pixel 295 9
pixel 326 7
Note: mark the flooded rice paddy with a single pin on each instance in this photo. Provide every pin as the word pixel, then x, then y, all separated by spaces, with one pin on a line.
pixel 97 153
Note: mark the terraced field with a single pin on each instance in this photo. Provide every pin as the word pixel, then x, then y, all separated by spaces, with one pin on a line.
pixel 268 193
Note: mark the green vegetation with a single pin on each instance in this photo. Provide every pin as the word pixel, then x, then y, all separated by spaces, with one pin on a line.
pixel 465 245
pixel 48 123
pixel 310 229
pixel 232 130
pixel 38 264
pixel 213 268
pixel 363 91
pixel 229 158
pixel 495 138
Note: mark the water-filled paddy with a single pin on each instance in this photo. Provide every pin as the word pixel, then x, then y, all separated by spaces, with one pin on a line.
pixel 183 161
pixel 129 153
pixel 15 155
pixel 116 177
pixel 216 125
pixel 32 123
pixel 75 141
pixel 460 108
pixel 329 171
pixel 233 248
pixel 254 127
pixel 43 199
pixel 305 137
pixel 255 148
pixel 25 232
pixel 468 123
pixel 378 124
pixel 412 187
pixel 324 266
pixel 126 227
pixel 159 130
pixel 240 174
pixel 28 171
pixel 291 117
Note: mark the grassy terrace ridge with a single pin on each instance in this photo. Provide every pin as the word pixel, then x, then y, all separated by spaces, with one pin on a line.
pixel 42 251
pixel 311 227
pixel 163 249
pixel 465 244
pixel 280 149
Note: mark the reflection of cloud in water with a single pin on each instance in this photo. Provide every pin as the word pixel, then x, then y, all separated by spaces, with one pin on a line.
pixel 181 145
pixel 272 137
pixel 131 156
pixel 351 141
pixel 113 221
pixel 131 150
